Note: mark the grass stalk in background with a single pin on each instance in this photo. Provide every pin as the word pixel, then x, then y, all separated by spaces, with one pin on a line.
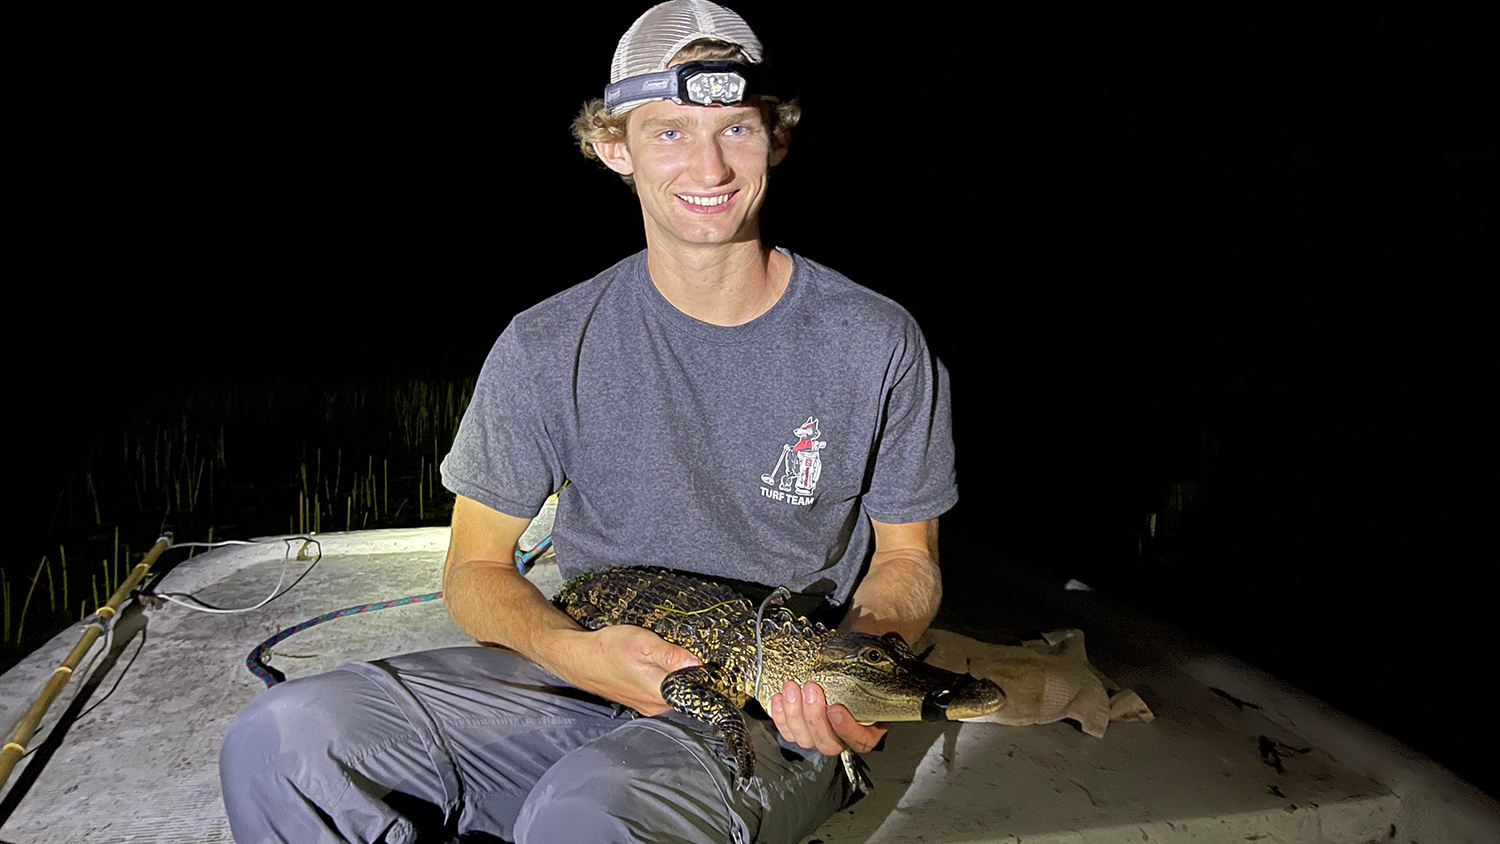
pixel 21 622
pixel 197 487
pixel 88 479
pixel 159 459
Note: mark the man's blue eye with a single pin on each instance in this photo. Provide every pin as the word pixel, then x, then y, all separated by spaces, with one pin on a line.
pixel 668 135
pixel 736 130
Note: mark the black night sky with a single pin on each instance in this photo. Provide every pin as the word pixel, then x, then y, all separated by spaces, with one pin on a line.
pixel 1232 251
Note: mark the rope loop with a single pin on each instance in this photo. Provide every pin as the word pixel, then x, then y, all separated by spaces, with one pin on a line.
pixel 777 596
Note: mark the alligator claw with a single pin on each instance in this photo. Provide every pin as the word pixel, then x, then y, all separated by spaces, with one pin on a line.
pixel 858 773
pixel 744 760
pixel 694 691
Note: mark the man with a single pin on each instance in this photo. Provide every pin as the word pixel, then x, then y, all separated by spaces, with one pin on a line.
pixel 661 391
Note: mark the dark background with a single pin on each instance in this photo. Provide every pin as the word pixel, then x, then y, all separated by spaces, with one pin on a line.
pixel 1229 256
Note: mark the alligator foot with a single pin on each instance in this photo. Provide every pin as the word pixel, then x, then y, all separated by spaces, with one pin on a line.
pixel 692 691
pixel 858 773
pixel 737 744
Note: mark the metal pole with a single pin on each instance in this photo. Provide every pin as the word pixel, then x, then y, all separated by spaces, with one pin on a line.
pixel 15 744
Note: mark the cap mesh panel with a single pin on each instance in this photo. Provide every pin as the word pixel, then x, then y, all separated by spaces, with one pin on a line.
pixel 657 35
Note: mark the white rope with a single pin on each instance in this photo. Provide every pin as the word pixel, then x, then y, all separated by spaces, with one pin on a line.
pixel 199 606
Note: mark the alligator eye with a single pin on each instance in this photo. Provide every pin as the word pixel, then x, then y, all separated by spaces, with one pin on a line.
pixel 874 656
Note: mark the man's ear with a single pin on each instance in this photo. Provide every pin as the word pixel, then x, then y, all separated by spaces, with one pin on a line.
pixel 778 151
pixel 615 155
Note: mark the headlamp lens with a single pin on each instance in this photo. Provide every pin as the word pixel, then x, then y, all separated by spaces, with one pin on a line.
pixel 705 88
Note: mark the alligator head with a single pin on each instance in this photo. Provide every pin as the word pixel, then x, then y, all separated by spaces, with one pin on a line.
pixel 878 678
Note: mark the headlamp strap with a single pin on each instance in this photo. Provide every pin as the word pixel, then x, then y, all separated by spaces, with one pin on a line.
pixel 700 83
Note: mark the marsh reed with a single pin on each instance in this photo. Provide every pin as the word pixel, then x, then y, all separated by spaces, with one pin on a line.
pixel 232 462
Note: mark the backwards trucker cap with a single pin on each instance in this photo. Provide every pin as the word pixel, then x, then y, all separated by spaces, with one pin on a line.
pixel 638 74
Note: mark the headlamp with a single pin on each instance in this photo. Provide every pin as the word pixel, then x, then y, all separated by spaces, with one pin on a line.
pixel 696 83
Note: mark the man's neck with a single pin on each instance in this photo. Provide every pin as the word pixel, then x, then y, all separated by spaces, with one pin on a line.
pixel 729 284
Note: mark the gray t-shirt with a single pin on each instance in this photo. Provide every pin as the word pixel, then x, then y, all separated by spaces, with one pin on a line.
pixel 753 452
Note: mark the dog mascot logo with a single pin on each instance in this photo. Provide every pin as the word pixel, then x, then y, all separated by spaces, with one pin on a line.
pixel 800 464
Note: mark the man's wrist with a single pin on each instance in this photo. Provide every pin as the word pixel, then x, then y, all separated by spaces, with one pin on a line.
pixel 900 593
pixel 559 648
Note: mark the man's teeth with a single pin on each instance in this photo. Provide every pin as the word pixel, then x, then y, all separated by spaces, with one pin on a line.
pixel 705 200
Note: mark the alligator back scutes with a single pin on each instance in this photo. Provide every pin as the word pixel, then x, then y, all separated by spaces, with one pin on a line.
pixel 643 595
pixel 710 619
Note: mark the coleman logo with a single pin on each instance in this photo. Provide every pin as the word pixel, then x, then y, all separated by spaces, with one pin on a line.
pixel 799 466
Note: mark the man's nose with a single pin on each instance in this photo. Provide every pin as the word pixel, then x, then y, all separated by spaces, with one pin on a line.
pixel 709 165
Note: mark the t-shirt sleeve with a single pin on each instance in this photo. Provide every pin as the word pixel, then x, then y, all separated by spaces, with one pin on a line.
pixel 502 456
pixel 914 477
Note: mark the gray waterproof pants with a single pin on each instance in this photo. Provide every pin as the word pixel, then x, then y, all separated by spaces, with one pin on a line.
pixel 480 744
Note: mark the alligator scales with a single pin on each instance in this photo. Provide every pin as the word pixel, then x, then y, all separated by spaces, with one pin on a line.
pixel 877 678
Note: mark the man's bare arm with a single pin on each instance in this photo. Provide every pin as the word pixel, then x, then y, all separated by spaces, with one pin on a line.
pixel 903 587
pixel 485 593
pixel 491 601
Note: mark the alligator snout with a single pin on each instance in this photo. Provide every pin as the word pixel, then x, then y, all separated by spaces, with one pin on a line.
pixel 966 697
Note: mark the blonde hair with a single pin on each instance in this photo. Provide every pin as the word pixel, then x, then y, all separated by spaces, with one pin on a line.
pixel 595 125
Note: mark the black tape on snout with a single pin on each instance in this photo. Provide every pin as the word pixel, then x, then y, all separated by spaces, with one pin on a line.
pixel 935 703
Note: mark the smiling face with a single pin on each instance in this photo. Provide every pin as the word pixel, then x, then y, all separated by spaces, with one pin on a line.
pixel 700 172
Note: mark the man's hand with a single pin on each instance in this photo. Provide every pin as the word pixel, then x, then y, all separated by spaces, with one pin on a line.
pixel 625 664
pixel 803 716
pixel 900 592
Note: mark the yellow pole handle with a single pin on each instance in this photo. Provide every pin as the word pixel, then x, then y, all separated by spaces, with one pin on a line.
pixel 15 745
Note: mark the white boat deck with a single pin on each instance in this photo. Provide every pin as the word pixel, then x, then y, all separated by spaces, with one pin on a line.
pixel 134 756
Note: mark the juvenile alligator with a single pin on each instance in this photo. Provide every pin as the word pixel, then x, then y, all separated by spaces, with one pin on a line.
pixel 877 678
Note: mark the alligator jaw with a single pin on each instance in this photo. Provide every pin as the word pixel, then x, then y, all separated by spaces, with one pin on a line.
pixel 966 697
pixel 969 697
pixel 879 679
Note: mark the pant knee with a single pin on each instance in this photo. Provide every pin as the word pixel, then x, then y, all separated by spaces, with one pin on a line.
pixel 283 735
pixel 286 766
pixel 610 791
pixel 598 809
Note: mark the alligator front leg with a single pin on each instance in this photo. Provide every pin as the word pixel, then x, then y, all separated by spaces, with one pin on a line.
pixel 695 691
